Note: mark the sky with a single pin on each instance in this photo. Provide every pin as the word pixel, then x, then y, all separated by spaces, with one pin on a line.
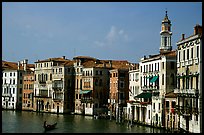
pixel 103 30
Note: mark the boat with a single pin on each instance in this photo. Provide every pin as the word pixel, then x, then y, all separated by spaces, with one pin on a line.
pixel 49 127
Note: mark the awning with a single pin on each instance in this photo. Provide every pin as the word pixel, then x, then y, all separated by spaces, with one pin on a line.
pixel 84 91
pixel 144 95
pixel 154 79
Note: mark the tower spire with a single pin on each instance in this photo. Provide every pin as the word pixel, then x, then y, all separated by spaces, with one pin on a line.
pixel 165 34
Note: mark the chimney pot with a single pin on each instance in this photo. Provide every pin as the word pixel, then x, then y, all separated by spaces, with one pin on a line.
pixel 182 36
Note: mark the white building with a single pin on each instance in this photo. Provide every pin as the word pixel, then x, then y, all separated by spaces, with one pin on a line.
pixel 13 83
pixel 157 77
pixel 134 90
pixel 189 90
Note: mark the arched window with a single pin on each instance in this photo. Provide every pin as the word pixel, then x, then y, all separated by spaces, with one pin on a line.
pixel 165 41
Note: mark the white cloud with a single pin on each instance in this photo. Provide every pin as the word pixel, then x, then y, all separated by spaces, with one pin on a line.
pixel 114 36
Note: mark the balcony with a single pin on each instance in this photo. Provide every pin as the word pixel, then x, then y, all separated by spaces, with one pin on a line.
pixel 186 91
pixel 57 84
pixel 57 99
pixel 182 63
pixel 111 101
pixel 42 86
pixel 178 64
pixel 42 82
pixel 59 87
pixel 6 95
pixel 87 100
pixel 195 60
pixel 190 61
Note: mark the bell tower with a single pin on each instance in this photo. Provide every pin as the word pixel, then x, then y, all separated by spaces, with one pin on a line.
pixel 165 35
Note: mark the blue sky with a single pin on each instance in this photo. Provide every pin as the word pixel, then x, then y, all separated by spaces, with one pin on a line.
pixel 104 30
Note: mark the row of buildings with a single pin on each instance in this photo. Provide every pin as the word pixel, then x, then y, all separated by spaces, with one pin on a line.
pixel 163 89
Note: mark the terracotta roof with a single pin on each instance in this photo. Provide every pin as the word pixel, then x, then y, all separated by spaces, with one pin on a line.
pixel 14 66
pixel 9 65
pixel 171 53
pixel 69 63
pixel 52 59
pixel 84 57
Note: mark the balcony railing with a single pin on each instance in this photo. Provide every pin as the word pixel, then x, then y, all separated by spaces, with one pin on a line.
pixel 196 60
pixel 178 64
pixel 87 100
pixel 6 95
pixel 185 91
pixel 58 99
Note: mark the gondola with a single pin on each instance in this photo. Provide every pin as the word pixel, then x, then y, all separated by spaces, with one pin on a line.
pixel 49 127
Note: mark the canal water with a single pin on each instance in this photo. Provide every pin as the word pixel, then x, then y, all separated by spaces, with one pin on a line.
pixel 32 122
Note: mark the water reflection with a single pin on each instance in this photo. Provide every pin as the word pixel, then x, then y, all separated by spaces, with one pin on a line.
pixel 32 122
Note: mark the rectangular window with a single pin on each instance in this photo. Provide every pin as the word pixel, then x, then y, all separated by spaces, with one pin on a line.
pixel 20 90
pixel 144 69
pixel 141 68
pixel 13 90
pixel 154 106
pixel 178 56
pixel 191 82
pixel 158 66
pixel 152 68
pixel 198 51
pixel 162 65
pixel 167 104
pixel 191 52
pixel 162 79
pixel 147 68
pixel 187 83
pixel 149 114
pixel 173 104
pixel 159 106
pixel 187 54
pixel 183 54
pixel 155 66
pixel 13 81
pixel 10 74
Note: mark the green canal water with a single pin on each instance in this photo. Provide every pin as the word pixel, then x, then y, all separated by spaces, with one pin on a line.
pixel 32 122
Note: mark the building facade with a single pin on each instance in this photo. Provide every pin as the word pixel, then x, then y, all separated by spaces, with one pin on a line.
pixel 188 81
pixel 134 90
pixel 157 77
pixel 52 86
pixel 28 91
pixel 91 85
pixel 12 85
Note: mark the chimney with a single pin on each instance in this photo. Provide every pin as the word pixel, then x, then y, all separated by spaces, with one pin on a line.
pixel 197 29
pixel 18 65
pixel 104 64
pixel 63 57
pixel 25 62
pixel 182 36
pixel 110 62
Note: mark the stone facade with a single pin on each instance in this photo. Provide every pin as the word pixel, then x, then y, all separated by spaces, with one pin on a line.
pixel 188 81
